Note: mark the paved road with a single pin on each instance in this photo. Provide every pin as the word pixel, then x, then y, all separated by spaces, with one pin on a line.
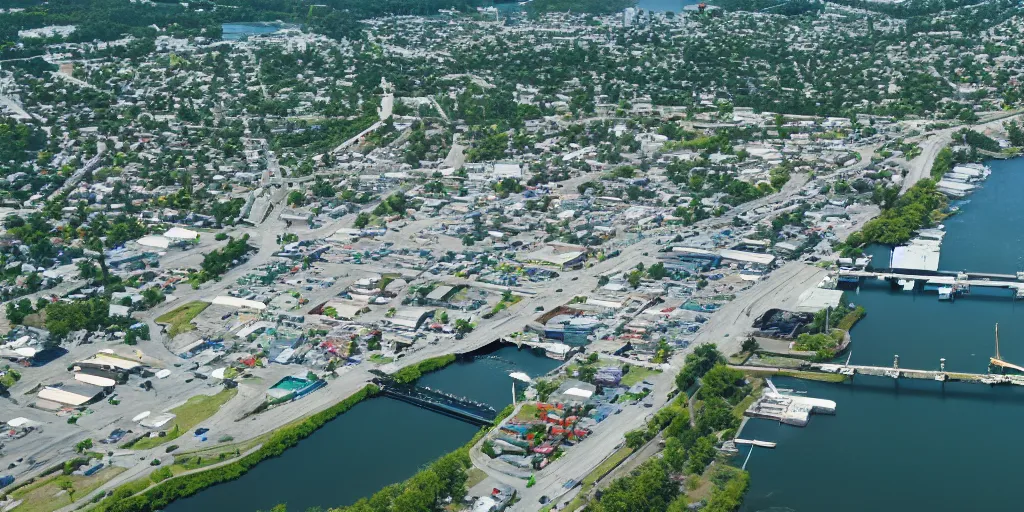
pixel 920 167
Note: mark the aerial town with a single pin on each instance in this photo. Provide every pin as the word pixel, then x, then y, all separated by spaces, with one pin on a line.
pixel 210 238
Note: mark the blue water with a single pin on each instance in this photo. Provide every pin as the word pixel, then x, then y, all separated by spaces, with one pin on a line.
pixel 915 445
pixel 236 31
pixel 665 5
pixel 379 442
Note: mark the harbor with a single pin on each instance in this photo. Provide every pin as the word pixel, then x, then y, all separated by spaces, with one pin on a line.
pixel 926 422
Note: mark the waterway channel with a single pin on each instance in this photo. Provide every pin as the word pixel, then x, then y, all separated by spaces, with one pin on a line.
pixel 377 443
pixel 915 445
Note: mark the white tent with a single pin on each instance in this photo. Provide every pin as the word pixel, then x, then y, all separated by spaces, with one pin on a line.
pixel 157 241
pixel 181 234
pixel 582 393
pixel 225 300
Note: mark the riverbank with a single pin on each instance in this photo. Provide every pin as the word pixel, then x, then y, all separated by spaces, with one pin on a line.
pixel 924 424
pixel 134 497
pixel 162 494
pixel 443 479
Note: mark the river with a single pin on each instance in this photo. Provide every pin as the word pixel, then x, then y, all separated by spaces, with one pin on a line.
pixel 377 443
pixel 915 445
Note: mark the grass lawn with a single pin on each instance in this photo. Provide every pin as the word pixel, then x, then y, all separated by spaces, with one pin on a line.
pixel 744 404
pixel 188 415
pixel 42 495
pixel 601 470
pixel 740 357
pixel 179 320
pixel 821 377
pixel 527 412
pixel 637 374
pixel 189 462
pixel 379 359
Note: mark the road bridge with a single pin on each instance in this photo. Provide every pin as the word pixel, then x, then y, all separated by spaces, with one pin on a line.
pixel 438 401
pixel 960 281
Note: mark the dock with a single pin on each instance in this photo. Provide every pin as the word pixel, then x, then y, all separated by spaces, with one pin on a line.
pixel 788 409
pixel 907 373
pixel 1000 371
pixel 755 442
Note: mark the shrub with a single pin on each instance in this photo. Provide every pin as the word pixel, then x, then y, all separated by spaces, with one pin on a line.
pixel 161 474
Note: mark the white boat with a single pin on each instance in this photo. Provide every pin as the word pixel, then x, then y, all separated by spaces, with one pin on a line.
pixel 946 293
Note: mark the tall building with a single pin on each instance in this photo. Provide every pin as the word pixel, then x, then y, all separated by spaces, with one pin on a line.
pixel 628 17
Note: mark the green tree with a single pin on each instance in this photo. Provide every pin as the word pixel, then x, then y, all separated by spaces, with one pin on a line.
pixel 674 454
pixel 720 381
pixel 702 453
pixel 750 345
pixel 636 438
pixel 82 446
pixel 463 326
pixel 657 271
pixel 361 220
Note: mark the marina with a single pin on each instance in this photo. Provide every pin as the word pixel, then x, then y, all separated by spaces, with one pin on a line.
pixel 915 415
pixel 788 409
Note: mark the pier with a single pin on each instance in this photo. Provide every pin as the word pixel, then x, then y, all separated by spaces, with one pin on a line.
pixel 453 406
pixel 940 375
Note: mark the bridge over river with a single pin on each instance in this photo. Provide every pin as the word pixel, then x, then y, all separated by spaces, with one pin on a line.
pixel 961 282
pixel 457 407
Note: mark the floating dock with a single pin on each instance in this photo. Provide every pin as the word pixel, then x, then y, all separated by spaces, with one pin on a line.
pixel 788 409
pixel 755 442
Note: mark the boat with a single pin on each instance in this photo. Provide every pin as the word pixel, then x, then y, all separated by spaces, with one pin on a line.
pixel 946 293
pixel 998 366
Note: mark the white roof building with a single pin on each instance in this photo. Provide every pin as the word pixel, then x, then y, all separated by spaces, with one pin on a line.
pixel 177 233
pixel 235 302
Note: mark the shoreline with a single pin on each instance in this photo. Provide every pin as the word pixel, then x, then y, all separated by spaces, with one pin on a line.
pixel 281 439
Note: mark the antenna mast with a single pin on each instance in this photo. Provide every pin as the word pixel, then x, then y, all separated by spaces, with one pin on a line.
pixel 997 342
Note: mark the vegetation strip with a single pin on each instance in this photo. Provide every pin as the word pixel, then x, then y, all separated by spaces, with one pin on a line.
pixel 161 495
